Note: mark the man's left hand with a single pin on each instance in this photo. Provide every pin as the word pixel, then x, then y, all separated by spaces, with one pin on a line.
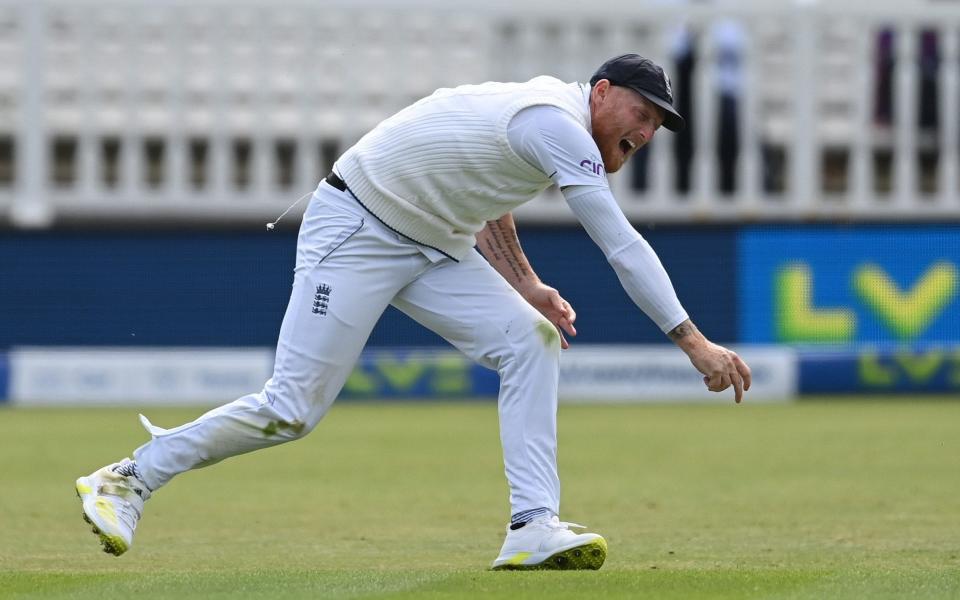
pixel 551 305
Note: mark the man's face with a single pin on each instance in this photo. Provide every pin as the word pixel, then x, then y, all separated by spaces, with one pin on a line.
pixel 622 122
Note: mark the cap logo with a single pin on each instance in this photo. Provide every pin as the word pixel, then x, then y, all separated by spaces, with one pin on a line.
pixel 666 82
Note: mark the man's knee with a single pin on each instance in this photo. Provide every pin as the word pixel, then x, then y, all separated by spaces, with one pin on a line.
pixel 295 410
pixel 531 339
pixel 289 429
pixel 547 334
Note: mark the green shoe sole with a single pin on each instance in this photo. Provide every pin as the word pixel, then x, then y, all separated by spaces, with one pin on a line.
pixel 111 544
pixel 589 556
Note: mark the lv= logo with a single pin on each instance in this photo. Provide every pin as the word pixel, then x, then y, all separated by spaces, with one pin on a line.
pixel 907 313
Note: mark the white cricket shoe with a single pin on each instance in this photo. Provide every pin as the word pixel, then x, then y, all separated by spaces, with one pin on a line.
pixel 547 543
pixel 112 505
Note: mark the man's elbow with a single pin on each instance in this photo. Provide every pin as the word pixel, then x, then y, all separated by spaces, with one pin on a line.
pixel 617 257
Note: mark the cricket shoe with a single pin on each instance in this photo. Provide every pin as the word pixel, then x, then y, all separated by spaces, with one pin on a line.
pixel 112 505
pixel 547 543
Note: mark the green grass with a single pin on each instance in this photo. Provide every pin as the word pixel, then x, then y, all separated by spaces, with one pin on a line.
pixel 813 500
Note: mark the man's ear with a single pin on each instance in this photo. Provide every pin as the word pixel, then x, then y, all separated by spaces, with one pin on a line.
pixel 601 87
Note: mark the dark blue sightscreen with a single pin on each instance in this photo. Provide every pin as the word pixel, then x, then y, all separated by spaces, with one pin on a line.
pixel 201 288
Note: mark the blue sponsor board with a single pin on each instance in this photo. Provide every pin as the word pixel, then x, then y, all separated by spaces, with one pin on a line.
pixel 700 260
pixel 222 289
pixel 881 370
pixel 842 286
pixel 4 377
pixel 419 373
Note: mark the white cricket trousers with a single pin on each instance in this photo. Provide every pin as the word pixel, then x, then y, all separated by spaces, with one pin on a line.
pixel 349 267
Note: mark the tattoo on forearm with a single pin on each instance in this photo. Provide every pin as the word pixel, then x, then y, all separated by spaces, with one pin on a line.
pixel 682 330
pixel 504 247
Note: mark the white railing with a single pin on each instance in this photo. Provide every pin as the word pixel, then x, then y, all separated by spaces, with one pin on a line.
pixel 227 111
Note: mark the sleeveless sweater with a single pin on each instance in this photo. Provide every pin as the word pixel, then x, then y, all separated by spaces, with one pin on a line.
pixel 439 169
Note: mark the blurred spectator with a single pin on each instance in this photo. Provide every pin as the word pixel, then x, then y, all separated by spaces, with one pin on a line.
pixel 929 66
pixel 928 116
pixel 883 99
pixel 727 38
pixel 884 111
pixel 683 49
pixel 729 41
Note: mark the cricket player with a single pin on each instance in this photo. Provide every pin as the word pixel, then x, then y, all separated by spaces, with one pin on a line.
pixel 396 223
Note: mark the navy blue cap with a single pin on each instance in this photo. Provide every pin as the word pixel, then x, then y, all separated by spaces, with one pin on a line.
pixel 646 78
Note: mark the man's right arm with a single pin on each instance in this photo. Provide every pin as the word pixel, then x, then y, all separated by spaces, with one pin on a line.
pixel 550 139
pixel 648 285
pixel 637 266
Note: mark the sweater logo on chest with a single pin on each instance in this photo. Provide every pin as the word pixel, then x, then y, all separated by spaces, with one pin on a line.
pixel 594 167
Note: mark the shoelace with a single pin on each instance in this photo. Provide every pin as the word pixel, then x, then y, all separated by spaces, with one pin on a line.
pixel 565 525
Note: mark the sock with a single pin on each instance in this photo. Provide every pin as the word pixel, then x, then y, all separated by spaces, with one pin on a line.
pixel 128 470
pixel 522 518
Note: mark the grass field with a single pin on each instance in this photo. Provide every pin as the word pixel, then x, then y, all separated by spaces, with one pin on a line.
pixel 825 499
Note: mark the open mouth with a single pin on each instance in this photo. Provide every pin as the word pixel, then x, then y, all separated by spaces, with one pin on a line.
pixel 626 146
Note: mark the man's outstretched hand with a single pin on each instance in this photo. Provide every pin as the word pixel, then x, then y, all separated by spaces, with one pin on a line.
pixel 721 367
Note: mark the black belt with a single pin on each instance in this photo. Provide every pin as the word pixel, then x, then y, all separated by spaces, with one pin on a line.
pixel 334 180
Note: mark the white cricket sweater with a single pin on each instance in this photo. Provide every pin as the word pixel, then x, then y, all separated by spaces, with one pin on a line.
pixel 439 169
